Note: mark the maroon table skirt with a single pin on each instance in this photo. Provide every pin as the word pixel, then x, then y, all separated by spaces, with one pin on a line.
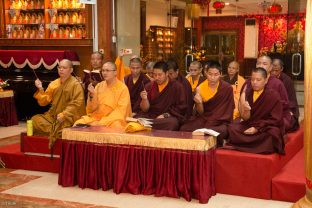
pixel 8 116
pixel 138 170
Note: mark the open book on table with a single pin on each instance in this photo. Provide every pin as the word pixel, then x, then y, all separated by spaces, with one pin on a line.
pixel 146 122
pixel 204 131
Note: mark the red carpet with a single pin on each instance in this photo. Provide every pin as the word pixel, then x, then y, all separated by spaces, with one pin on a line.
pixel 289 183
pixel 15 159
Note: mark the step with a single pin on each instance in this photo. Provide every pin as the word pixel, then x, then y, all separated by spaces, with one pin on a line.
pixel 15 159
pixel 289 183
pixel 250 175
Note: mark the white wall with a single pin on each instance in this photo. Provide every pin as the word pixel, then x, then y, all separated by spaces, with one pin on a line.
pixel 157 11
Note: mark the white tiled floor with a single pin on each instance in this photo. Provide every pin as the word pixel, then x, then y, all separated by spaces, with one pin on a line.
pixel 47 187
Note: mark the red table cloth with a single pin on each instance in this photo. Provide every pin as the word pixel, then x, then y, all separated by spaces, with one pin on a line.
pixel 8 116
pixel 35 58
pixel 140 163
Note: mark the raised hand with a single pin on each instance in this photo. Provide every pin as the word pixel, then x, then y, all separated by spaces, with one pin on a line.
pixel 38 84
pixel 197 97
pixel 143 95
pixel 91 89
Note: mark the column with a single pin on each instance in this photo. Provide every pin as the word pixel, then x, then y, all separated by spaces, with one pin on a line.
pixel 306 201
pixel 128 26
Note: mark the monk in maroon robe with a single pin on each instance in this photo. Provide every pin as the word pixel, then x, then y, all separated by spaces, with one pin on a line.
pixel 261 130
pixel 135 83
pixel 214 103
pixel 163 100
pixel 175 75
pixel 277 71
pixel 275 84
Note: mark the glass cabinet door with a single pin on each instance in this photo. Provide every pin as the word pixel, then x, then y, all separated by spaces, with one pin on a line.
pixel 220 46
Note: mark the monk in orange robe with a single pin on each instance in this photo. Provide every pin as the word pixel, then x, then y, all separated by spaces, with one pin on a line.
pixel 108 103
pixel 195 77
pixel 66 97
pixel 237 81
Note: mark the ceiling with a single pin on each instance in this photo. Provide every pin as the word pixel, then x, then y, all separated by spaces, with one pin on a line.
pixel 248 7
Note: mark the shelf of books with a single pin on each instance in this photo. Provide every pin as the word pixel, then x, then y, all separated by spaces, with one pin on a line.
pixel 45 19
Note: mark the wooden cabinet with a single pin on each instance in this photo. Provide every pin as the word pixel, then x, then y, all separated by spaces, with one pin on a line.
pixel 164 38
pixel 220 46
pixel 45 19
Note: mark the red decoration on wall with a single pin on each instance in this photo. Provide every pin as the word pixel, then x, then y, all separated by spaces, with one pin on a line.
pixel 218 5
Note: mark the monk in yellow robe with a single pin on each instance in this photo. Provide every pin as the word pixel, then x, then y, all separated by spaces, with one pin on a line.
pixel 236 81
pixel 66 97
pixel 195 77
pixel 109 102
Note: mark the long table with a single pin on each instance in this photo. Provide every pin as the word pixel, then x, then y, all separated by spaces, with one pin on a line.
pixel 163 163
pixel 8 116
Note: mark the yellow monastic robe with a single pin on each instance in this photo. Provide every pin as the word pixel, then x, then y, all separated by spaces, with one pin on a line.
pixel 66 99
pixel 192 83
pixel 109 106
pixel 256 95
pixel 122 70
pixel 205 92
pixel 237 87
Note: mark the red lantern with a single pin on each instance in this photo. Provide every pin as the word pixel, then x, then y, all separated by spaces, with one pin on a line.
pixel 275 8
pixel 218 5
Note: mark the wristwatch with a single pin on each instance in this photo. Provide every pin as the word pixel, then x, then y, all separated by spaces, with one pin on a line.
pixel 166 115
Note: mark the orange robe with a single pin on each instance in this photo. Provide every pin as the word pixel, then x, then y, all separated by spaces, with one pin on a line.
pixel 66 99
pixel 237 87
pixel 122 70
pixel 109 106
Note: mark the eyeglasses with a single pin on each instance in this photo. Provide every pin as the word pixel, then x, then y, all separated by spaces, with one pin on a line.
pixel 106 70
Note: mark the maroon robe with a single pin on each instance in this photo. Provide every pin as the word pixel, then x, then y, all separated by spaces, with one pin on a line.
pixel 170 100
pixel 188 93
pixel 278 86
pixel 267 117
pixel 218 113
pixel 293 103
pixel 135 90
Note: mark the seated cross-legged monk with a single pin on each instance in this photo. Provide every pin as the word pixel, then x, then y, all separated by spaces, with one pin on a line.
pixel 66 97
pixel 214 104
pixel 108 103
pixel 261 110
pixel 277 71
pixel 174 74
pixel 135 83
pixel 163 100
pixel 275 84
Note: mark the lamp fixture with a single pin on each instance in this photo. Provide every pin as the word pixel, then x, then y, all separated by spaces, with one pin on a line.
pixel 275 8
pixel 218 5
